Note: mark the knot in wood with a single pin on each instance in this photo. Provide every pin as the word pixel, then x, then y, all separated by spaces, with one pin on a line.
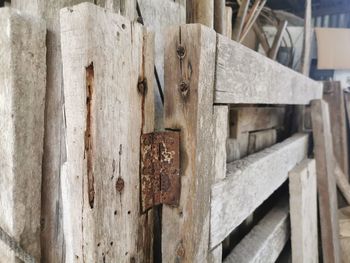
pixel 119 184
pixel 181 51
pixel 142 86
pixel 184 88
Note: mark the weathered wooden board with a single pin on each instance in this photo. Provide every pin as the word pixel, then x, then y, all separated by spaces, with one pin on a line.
pixel 249 182
pixel 344 233
pixel 220 133
pixel 326 184
pixel 215 255
pixel 228 23
pixel 266 240
pixel 333 95
pixel 107 110
pixel 201 12
pixel 245 76
pixel 22 103
pixel 232 150
pixel 239 22
pixel 52 239
pixel 303 212
pixel 261 139
pixel 247 119
pixel 189 82
pixel 158 15
pixel 220 16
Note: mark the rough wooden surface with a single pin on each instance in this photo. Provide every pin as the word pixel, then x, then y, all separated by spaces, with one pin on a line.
pixel 266 240
pixel 326 185
pixel 157 16
pixel 22 101
pixel 248 119
pixel 261 139
pixel 303 212
pixel 245 76
pixel 54 138
pixel 215 255
pixel 333 95
pixel 220 133
pixel 201 12
pixel 344 233
pixel 189 108
pixel 105 116
pixel 232 150
pixel 251 181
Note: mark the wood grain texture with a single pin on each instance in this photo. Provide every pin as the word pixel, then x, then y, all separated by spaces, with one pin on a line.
pixel 189 83
pixel 220 138
pixel 22 102
pixel 261 139
pixel 157 16
pixel 201 12
pixel 247 77
pixel 52 238
pixel 326 185
pixel 249 182
pixel 108 127
pixel 303 212
pixel 266 240
pixel 248 119
pixel 334 96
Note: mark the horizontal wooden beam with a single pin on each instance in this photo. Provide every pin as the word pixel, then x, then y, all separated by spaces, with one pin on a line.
pixel 267 238
pixel 249 182
pixel 247 77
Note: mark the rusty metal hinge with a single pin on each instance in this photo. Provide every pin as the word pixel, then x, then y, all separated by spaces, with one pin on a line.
pixel 160 169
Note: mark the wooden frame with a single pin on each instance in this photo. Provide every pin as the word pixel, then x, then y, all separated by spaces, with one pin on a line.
pixel 200 64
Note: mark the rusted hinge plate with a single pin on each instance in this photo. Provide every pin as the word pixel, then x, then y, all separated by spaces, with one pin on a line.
pixel 160 169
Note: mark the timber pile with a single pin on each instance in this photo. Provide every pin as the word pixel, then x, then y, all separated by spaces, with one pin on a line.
pixel 73 158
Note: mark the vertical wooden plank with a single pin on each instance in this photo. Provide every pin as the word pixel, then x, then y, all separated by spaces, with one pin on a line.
pixel 306 56
pixel 219 16
pixel 278 40
pixel 199 11
pixel 107 110
pixel 220 133
pixel 333 95
pixel 22 102
pixel 189 82
pixel 238 25
pixel 325 180
pixel 261 139
pixel 303 212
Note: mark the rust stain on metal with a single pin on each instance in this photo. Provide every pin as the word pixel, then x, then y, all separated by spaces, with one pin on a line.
pixel 160 169
pixel 88 132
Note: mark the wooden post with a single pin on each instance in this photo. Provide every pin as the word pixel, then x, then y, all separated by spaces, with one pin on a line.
pixel 220 16
pixel 303 212
pixel 108 88
pixel 199 11
pixel 239 23
pixel 22 103
pixel 306 56
pixel 325 181
pixel 52 238
pixel 278 40
pixel 189 82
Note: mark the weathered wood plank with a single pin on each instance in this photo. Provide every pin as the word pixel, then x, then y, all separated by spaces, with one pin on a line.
pixel 266 240
pixel 247 119
pixel 308 35
pixel 106 113
pixel 158 15
pixel 326 184
pixel 219 16
pixel 220 133
pixel 189 82
pixel 303 212
pixel 238 25
pixel 228 23
pixel 278 40
pixel 199 11
pixel 249 182
pixel 216 255
pixel 257 79
pixel 22 103
pixel 261 139
pixel 333 95
pixel 344 233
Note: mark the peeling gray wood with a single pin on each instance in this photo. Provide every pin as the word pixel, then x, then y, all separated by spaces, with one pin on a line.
pixel 157 16
pixel 247 77
pixel 303 212
pixel 220 133
pixel 188 105
pixel 105 117
pixel 249 182
pixel 326 181
pixel 22 103
pixel 266 240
